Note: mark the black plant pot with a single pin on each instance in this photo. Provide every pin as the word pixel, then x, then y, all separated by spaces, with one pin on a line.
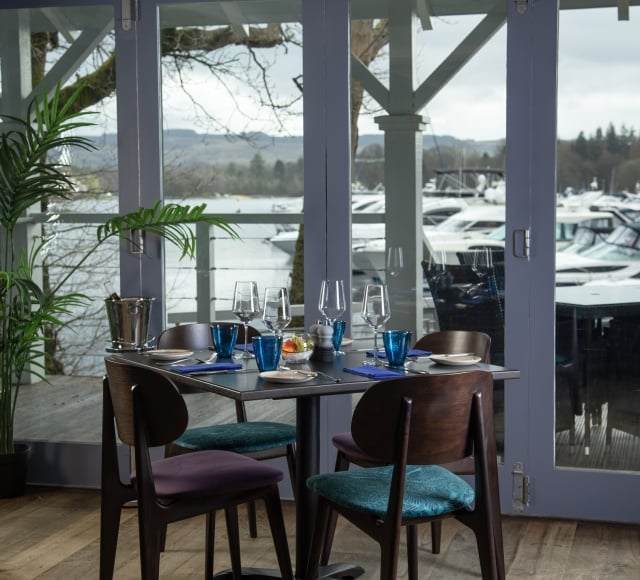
pixel 13 471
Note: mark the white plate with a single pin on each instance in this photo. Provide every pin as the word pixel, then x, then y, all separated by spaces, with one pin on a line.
pixel 287 376
pixel 346 341
pixel 169 354
pixel 455 361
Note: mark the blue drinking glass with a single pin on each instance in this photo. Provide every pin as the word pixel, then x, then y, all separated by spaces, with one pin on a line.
pixel 338 333
pixel 267 351
pixel 396 346
pixel 224 338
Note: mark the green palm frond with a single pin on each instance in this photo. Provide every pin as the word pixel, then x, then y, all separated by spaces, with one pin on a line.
pixel 30 176
pixel 27 175
pixel 170 221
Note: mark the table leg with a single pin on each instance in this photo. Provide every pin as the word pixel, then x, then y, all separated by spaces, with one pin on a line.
pixel 307 464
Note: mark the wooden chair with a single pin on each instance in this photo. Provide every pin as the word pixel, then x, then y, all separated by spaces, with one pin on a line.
pixel 257 439
pixel 412 426
pixel 446 341
pixel 147 410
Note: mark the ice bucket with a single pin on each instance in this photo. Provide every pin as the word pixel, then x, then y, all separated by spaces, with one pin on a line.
pixel 129 322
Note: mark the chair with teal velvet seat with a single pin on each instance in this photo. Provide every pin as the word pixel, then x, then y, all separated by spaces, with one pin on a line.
pixel 444 341
pixel 257 439
pixel 412 426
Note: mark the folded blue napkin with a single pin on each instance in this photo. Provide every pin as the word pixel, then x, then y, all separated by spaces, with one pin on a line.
pixel 411 352
pixel 241 347
pixel 222 366
pixel 373 372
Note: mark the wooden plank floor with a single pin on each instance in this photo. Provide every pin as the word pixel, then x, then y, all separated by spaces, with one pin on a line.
pixel 53 533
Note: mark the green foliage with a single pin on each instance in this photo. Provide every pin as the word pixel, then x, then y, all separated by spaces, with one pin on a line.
pixel 29 176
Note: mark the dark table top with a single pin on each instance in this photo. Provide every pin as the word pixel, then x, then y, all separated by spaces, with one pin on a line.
pixel 246 385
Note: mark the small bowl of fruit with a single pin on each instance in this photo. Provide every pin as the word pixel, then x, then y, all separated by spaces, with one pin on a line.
pixel 296 349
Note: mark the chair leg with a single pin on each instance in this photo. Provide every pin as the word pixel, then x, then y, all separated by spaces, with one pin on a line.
pixel 149 549
pixel 279 533
pixel 389 558
pixel 342 464
pixel 231 517
pixel 209 545
pixel 412 552
pixel 291 464
pixel 109 528
pixel 323 513
pixel 251 516
pixel 436 536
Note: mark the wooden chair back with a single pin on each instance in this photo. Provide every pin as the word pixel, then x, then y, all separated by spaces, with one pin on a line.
pixel 166 413
pixel 451 417
pixel 196 336
pixel 457 341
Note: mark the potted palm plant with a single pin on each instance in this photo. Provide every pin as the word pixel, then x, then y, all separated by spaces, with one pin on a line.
pixel 30 176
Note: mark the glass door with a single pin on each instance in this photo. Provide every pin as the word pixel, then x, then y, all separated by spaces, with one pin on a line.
pixel 590 255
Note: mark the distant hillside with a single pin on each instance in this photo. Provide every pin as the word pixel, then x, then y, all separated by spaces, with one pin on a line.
pixel 186 147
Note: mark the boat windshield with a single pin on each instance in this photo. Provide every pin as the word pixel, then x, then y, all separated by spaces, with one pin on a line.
pixel 622 244
pixel 498 234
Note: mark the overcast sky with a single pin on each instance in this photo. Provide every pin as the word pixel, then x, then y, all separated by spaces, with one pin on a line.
pixel 599 82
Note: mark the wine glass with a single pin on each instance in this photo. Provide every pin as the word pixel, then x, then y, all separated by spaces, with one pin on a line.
pixel 331 302
pixel 395 261
pixel 276 313
pixel 375 312
pixel 246 306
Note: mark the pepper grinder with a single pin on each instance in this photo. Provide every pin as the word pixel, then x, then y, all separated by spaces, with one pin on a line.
pixel 322 335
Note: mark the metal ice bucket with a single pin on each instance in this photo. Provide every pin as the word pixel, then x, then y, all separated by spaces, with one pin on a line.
pixel 129 322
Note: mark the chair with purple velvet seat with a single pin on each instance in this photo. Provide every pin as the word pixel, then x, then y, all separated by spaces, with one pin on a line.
pixel 446 341
pixel 257 439
pixel 146 410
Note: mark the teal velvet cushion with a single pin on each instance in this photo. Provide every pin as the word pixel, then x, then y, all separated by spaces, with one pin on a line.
pixel 244 437
pixel 430 490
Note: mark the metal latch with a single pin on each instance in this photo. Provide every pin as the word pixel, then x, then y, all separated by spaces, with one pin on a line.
pixel 129 13
pixel 522 5
pixel 520 488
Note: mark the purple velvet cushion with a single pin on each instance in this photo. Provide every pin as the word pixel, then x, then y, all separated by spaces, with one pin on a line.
pixel 344 442
pixel 206 473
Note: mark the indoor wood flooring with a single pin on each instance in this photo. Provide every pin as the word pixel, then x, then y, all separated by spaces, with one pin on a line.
pixel 53 533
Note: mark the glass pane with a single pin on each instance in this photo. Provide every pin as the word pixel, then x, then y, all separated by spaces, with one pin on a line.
pixel 597 305
pixel 461 174
pixel 72 43
pixel 232 114
pixel 232 135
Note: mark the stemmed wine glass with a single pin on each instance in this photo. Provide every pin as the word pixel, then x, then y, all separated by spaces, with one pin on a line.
pixel 246 306
pixel 331 304
pixel 395 261
pixel 375 312
pixel 276 313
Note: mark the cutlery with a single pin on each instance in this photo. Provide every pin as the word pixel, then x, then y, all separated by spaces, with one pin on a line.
pixel 408 370
pixel 311 373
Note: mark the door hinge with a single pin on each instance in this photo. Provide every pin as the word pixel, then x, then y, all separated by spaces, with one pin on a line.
pixel 520 488
pixel 128 12
pixel 522 243
pixel 522 5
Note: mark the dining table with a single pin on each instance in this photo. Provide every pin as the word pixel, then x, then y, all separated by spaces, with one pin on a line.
pixel 326 378
pixel 589 307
